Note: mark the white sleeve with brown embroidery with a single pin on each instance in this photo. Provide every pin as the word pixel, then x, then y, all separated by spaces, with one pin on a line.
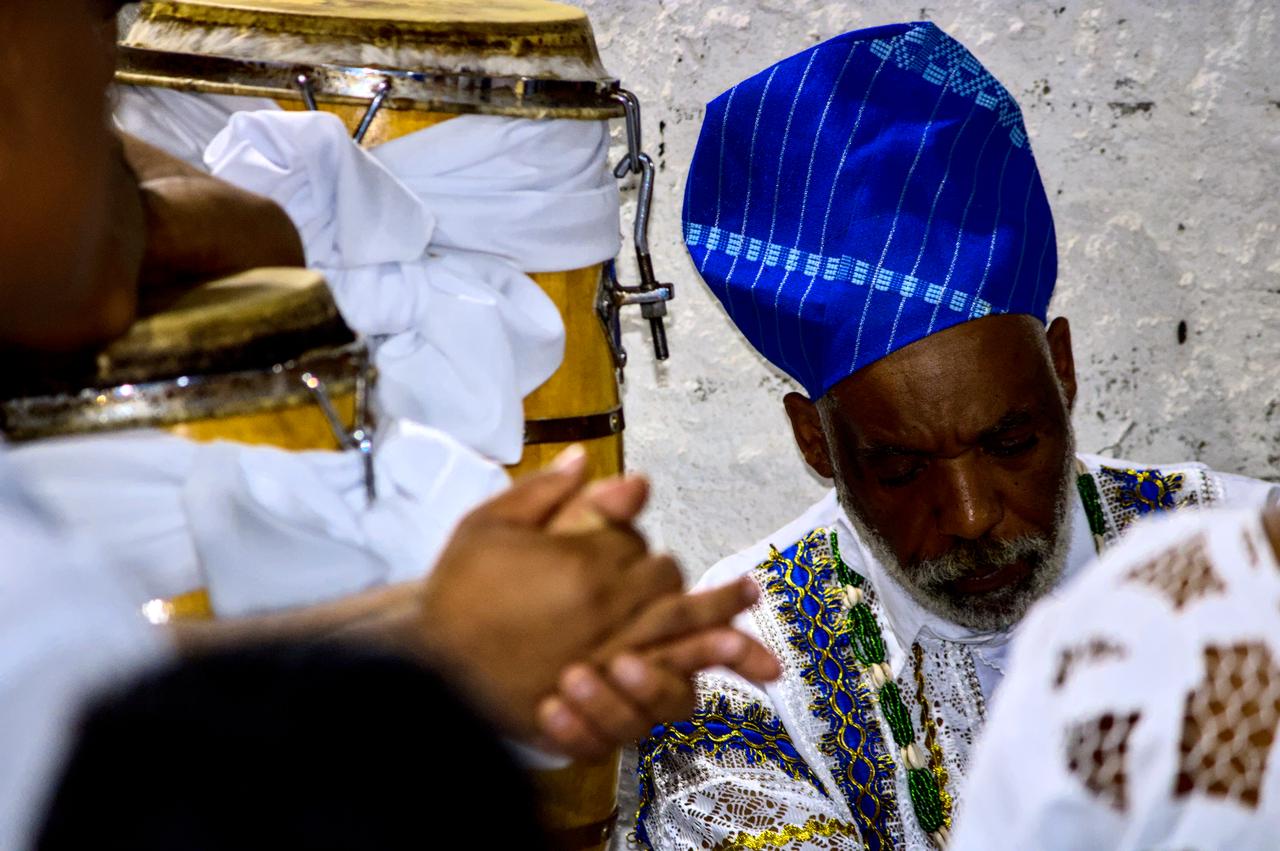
pixel 1142 704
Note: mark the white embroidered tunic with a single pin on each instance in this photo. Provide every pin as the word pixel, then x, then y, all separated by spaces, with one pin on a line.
pixel 811 761
pixel 1142 705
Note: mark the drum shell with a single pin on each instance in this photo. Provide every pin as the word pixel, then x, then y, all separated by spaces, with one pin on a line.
pixel 586 384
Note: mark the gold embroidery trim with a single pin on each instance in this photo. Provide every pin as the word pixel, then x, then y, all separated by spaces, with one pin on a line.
pixel 936 764
pixel 781 837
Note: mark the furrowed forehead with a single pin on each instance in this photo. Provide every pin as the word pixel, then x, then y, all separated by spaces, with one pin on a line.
pixel 956 384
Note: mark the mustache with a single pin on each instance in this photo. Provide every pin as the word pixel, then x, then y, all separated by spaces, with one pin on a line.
pixel 974 557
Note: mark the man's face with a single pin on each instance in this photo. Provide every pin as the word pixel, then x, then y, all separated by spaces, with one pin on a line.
pixel 954 458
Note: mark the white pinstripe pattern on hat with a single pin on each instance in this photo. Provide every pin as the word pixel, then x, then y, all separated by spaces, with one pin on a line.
pixel 746 212
pixel 777 188
pixel 1035 297
pixel 1022 251
pixel 964 217
pixel 804 207
pixel 893 226
pixel 928 225
pixel 724 123
pixel 835 184
pixel 995 230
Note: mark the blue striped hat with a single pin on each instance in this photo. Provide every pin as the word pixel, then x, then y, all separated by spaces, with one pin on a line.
pixel 864 194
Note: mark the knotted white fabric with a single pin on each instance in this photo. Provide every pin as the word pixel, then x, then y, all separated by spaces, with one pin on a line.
pixel 1142 705
pixel 262 528
pixel 426 241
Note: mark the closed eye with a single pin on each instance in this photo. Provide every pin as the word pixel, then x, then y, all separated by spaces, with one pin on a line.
pixel 903 473
pixel 1011 448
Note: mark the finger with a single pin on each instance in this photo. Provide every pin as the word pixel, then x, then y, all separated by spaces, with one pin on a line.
pixel 568 732
pixel 620 500
pixel 607 711
pixel 620 548
pixel 615 500
pixel 721 647
pixel 660 693
pixel 535 499
pixel 650 581
pixel 685 614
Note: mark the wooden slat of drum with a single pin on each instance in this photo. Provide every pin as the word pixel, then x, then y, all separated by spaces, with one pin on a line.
pixel 295 429
pixel 604 457
pixel 580 794
pixel 388 124
pixel 586 382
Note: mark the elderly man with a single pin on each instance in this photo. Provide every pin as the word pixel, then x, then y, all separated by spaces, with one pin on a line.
pixel 870 215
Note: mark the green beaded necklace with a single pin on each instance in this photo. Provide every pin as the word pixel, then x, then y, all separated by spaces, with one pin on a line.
pixel 868 648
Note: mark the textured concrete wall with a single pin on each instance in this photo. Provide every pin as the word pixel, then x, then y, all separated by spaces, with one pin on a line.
pixel 1157 129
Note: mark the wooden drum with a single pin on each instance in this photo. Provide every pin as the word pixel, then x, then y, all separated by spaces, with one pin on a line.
pixel 259 358
pixel 389 68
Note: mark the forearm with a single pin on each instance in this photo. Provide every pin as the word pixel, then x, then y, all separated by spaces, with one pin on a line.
pixel 384 615
pixel 199 227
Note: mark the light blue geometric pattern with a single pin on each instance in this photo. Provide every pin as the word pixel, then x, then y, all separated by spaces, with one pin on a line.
pixel 943 61
pixel 842 269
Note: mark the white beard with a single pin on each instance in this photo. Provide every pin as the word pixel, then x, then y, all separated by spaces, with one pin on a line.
pixel 997 610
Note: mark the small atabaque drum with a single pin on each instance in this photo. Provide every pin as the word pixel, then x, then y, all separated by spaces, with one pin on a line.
pixel 259 358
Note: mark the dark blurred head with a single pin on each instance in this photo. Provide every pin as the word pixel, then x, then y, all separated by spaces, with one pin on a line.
pixel 953 456
pixel 289 747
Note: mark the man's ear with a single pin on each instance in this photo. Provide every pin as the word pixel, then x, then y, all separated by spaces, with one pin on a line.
pixel 806 425
pixel 1064 360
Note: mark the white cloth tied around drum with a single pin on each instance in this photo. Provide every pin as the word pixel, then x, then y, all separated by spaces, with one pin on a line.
pixel 262 528
pixel 426 240
pixel 177 122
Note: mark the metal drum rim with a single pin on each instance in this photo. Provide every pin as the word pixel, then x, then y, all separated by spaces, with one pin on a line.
pixel 434 91
pixel 183 399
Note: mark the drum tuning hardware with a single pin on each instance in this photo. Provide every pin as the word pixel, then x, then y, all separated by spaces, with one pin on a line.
pixel 380 93
pixel 651 295
pixel 360 438
pixel 308 92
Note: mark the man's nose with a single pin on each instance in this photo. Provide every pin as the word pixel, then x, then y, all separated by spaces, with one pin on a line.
pixel 969 506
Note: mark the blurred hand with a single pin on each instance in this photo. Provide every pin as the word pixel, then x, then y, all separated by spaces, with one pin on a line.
pixel 513 600
pixel 644 673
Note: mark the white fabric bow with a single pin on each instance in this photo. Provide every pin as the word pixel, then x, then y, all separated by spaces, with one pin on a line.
pixel 262 528
pixel 425 241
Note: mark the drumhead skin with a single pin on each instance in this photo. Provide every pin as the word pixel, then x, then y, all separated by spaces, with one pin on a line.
pixel 253 320
pixel 233 347
pixel 503 38
pixel 437 15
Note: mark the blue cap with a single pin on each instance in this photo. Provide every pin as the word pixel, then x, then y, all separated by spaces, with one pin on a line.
pixel 864 194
